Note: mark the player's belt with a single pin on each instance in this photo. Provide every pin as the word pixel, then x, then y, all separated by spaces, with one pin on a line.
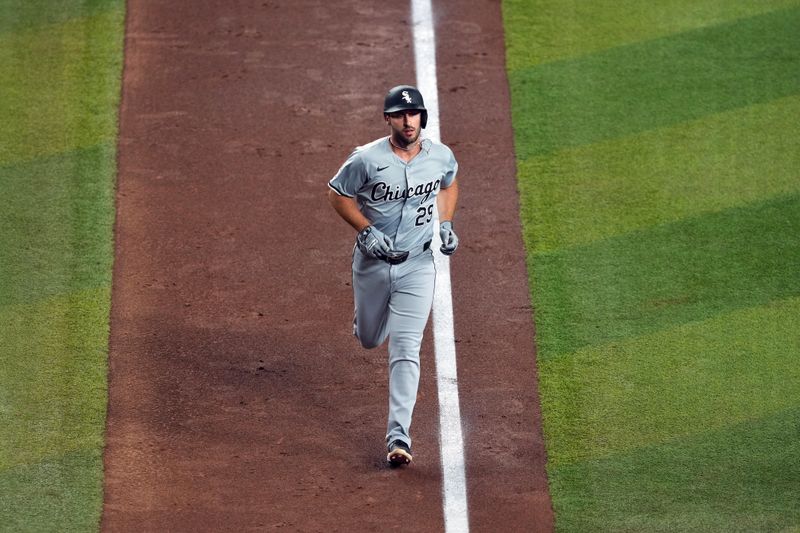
pixel 419 250
pixel 395 257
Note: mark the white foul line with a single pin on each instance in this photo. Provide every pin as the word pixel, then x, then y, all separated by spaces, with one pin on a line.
pixel 454 486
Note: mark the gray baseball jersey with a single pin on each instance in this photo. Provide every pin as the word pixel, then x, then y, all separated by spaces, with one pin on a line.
pixel 397 197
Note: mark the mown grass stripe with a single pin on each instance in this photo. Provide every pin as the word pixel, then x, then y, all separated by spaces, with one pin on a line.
pixel 667 275
pixel 615 397
pixel 583 194
pixel 738 478
pixel 55 91
pixel 16 16
pixel 658 83
pixel 52 494
pixel 53 362
pixel 56 213
pixel 543 31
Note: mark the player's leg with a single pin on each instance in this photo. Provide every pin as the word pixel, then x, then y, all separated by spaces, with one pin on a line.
pixel 371 286
pixel 409 308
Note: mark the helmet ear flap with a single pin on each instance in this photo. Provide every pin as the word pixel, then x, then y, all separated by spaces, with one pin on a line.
pixel 424 121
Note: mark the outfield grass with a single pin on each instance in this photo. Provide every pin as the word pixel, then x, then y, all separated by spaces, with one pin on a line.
pixel 60 68
pixel 659 170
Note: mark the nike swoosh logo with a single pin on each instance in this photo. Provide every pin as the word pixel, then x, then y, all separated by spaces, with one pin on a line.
pixel 383 168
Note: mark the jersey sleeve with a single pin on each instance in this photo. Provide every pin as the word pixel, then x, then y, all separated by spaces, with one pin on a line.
pixel 350 177
pixel 451 169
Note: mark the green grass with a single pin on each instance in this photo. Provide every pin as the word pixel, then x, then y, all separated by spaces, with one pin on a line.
pixel 642 86
pixel 739 478
pixel 659 172
pixel 673 383
pixel 691 168
pixel 16 15
pixel 60 69
pixel 56 92
pixel 543 31
pixel 667 275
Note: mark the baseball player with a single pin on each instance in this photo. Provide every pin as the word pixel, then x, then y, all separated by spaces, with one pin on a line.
pixel 386 190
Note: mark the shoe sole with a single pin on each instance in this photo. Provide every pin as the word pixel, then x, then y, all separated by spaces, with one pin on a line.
pixel 399 457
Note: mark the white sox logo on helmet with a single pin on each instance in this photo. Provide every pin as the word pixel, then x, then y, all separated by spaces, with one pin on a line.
pixel 407 97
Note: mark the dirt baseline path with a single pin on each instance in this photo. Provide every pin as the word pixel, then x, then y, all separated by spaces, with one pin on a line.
pixel 238 399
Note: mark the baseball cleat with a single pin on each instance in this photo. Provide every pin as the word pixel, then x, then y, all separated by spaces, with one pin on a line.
pixel 399 453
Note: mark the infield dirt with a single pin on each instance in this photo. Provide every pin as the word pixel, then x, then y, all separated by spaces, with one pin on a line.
pixel 238 398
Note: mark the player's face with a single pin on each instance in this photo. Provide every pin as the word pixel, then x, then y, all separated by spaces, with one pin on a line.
pixel 405 125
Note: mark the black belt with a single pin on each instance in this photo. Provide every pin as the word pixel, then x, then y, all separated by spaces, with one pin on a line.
pixel 395 258
pixel 419 250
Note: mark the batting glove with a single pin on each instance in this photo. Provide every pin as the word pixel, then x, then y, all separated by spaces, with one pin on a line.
pixel 449 238
pixel 373 243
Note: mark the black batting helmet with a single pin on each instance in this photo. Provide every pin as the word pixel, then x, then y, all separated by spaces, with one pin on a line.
pixel 405 97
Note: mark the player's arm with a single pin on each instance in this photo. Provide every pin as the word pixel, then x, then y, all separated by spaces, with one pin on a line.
pixel 446 201
pixel 371 242
pixel 347 208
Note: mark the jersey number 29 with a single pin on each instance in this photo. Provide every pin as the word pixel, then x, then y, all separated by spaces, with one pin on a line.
pixel 425 215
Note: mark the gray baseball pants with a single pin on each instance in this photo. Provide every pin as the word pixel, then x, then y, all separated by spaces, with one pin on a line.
pixel 395 301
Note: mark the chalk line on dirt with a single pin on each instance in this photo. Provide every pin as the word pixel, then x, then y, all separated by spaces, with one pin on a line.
pixel 454 486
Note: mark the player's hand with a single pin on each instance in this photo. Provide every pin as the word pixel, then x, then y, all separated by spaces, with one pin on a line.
pixel 449 238
pixel 374 243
